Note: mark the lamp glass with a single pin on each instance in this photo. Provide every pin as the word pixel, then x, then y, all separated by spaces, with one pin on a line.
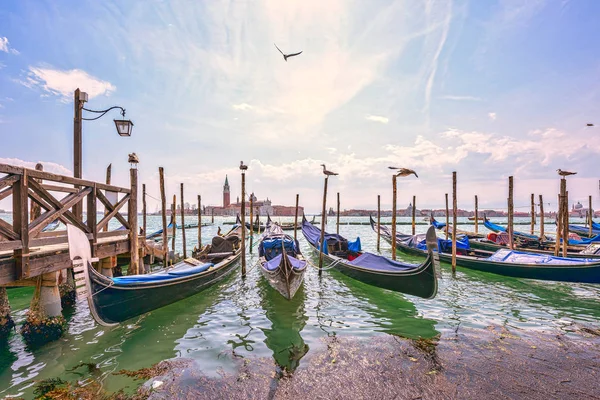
pixel 124 127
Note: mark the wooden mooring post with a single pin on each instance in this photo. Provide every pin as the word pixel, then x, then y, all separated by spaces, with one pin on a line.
pixel 510 213
pixel 565 218
pixel 163 203
pixel 199 223
pixel 144 210
pixel 243 217
pixel 252 222
pixel 133 224
pixel 559 223
pixel 183 223
pixel 414 210
pixel 541 217
pixel 476 215
pixel 378 221
pixel 394 196
pixel 174 227
pixel 447 217
pixel 590 215
pixel 532 213
pixel 324 210
pixel 337 224
pixel 296 217
pixel 454 212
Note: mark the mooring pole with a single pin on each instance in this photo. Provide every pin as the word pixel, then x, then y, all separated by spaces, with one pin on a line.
pixel 77 147
pixel 454 212
pixel 394 196
pixel 476 215
pixel 199 223
pixel 183 224
pixel 590 219
pixel 144 211
pixel 163 203
pixel 566 221
pixel 414 210
pixel 252 222
pixel 174 215
pixel 108 179
pixel 510 213
pixel 243 216
pixel 212 216
pixel 321 244
pixel 133 224
pixel 378 220
pixel 541 217
pixel 296 216
pixel 559 223
pixel 447 217
pixel 532 213
pixel 337 226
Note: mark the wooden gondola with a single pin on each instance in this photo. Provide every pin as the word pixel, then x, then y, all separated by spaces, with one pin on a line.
pixel 347 257
pixel 505 261
pixel 282 263
pixel 114 300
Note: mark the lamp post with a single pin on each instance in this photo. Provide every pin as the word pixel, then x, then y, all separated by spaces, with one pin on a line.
pixel 124 128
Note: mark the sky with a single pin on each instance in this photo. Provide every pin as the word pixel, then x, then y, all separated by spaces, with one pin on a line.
pixel 489 89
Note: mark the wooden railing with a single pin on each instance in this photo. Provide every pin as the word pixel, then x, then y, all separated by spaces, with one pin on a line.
pixel 58 197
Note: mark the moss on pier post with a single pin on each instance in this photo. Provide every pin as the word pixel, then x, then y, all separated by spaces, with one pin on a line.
pixel 6 321
pixel 45 322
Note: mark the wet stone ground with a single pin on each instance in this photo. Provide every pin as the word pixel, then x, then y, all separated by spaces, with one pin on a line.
pixel 472 364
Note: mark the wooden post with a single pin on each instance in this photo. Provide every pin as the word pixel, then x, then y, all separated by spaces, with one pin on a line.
pixel 243 212
pixel 252 222
pixel 174 219
pixel 133 225
pixel 296 217
pixel 541 217
pixel 199 223
pixel 212 216
pixel 414 210
pixel 510 213
pixel 565 220
pixel 108 180
pixel 183 224
pixel 91 220
pixel 378 220
pixel 321 244
pixel 337 230
pixel 454 212
pixel 21 224
pixel 144 210
pixel 590 220
pixel 447 217
pixel 394 195
pixel 163 203
pixel 559 223
pixel 77 148
pixel 532 213
pixel 476 215
pixel 35 209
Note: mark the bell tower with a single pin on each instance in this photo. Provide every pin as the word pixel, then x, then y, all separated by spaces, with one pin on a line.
pixel 226 199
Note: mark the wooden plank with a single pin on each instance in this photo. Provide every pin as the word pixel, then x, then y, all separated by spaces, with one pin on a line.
pixel 8 180
pixel 7 231
pixel 9 246
pixel 20 226
pixel 109 234
pixel 62 189
pixel 104 221
pixel 110 207
pixel 5 193
pixel 48 241
pixel 113 248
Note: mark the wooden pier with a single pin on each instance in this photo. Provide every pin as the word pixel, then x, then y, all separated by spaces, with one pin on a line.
pixel 26 251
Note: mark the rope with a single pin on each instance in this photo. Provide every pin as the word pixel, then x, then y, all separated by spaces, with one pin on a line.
pixel 336 262
pixel 111 283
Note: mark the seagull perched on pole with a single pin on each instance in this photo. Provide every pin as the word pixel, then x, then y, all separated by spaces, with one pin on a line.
pixel 565 173
pixel 285 56
pixel 133 159
pixel 328 173
pixel 404 171
pixel 242 166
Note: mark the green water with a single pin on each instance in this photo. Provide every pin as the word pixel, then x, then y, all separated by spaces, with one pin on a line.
pixel 248 318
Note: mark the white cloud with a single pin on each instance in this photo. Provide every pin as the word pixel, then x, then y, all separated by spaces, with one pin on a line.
pixel 492 116
pixel 48 166
pixel 5 47
pixel 242 107
pixel 460 98
pixel 63 83
pixel 377 118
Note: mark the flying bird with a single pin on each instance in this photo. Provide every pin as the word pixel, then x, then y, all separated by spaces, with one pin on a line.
pixel 590 125
pixel 242 166
pixel 285 56
pixel 565 173
pixel 404 171
pixel 328 173
pixel 133 159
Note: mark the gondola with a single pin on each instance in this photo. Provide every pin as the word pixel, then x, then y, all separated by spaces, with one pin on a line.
pixel 348 258
pixel 281 261
pixel 442 225
pixel 285 226
pixel 257 226
pixel 505 262
pixel 114 300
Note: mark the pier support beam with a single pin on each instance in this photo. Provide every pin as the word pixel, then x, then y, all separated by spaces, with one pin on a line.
pixel 45 322
pixel 106 266
pixel 6 321
pixel 66 288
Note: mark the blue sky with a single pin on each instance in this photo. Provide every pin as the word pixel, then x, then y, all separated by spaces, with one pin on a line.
pixel 485 88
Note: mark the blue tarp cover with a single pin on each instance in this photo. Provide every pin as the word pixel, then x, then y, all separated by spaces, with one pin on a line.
pixel 380 263
pixel 521 257
pixel 595 225
pixel 174 273
pixel 273 264
pixel 583 230
pixel 497 228
pixel 355 246
pixel 438 225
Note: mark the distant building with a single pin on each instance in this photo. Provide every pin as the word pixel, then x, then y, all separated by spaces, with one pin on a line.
pixel 226 193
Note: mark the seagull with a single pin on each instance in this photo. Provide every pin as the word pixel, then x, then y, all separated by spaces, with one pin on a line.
pixel 404 171
pixel 565 173
pixel 328 173
pixel 590 125
pixel 242 166
pixel 285 56
pixel 133 159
